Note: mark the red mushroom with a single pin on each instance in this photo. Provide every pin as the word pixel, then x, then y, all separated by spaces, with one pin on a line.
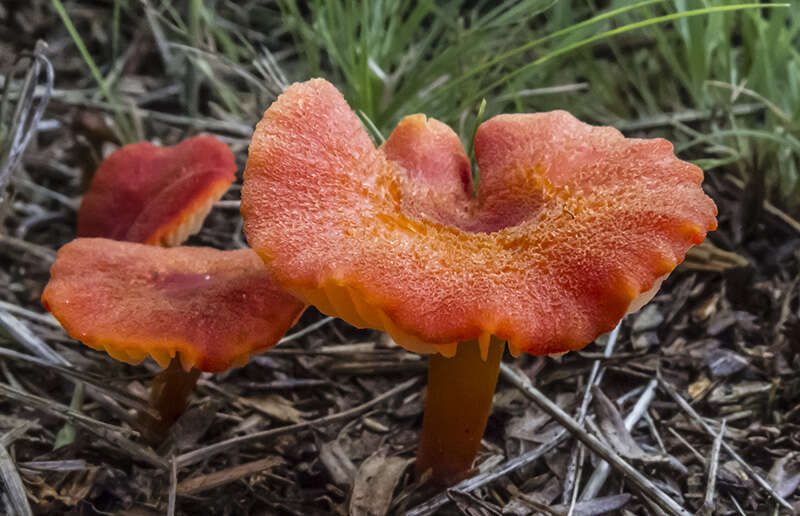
pixel 191 309
pixel 205 309
pixel 209 308
pixel 156 195
pixel 571 224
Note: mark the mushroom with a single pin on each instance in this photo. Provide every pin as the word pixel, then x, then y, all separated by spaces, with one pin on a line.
pixel 570 226
pixel 160 196
pixel 195 307
pixel 156 195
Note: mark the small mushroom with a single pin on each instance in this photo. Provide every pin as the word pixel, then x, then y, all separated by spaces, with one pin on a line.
pixel 156 195
pixel 570 226
pixel 160 196
pixel 205 309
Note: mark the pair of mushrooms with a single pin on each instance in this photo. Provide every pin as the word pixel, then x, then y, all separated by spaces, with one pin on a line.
pixel 572 227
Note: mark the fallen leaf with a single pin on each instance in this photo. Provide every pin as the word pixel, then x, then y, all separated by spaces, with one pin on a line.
pixel 274 406
pixel 375 483
pixel 784 475
pixel 613 428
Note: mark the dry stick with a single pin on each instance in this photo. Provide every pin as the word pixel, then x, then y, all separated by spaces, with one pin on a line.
pixel 199 454
pixel 651 427
pixel 305 331
pixel 195 485
pixel 750 471
pixel 17 431
pixel 738 507
pixel 697 455
pixel 27 338
pixel 105 431
pixel 483 479
pixel 600 474
pixel 43 318
pixel 173 487
pixel 203 124
pixel 228 204
pixel 18 500
pixel 581 456
pixel 76 375
pixel 22 127
pixel 571 480
pixel 105 395
pixel 22 334
pixel 668 119
pixel 46 255
pixel 708 503
pixel 523 383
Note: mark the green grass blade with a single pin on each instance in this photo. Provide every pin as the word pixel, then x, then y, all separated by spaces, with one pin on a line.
pixel 626 28
pixel 125 128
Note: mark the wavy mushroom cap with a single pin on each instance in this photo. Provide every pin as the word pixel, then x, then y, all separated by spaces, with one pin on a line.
pixel 213 308
pixel 157 195
pixel 571 223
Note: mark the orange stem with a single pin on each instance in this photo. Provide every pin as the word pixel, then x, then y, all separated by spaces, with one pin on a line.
pixel 458 404
pixel 169 395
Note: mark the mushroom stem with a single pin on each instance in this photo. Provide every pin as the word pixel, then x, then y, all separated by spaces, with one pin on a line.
pixel 458 404
pixel 169 394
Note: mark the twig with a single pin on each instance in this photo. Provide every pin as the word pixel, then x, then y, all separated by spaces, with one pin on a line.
pixel 305 331
pixel 708 503
pixel 58 409
pixel 571 479
pixel 110 433
pixel 738 507
pixel 173 487
pixel 640 481
pixel 72 204
pixel 668 119
pixel 202 483
pixel 24 122
pixel 702 424
pixel 17 432
pixel 602 471
pixel 697 454
pixel 22 334
pixel 228 204
pixel 651 426
pixel 18 500
pixel 483 479
pixel 99 384
pixel 737 89
pixel 44 318
pixel 46 255
pixel 577 479
pixel 199 454
pixel 198 123
pixel 51 359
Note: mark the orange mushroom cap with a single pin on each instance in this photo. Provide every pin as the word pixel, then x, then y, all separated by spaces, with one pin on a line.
pixel 156 195
pixel 570 225
pixel 212 307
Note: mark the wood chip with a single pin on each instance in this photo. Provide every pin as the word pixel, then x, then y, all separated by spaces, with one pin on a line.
pixel 202 483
